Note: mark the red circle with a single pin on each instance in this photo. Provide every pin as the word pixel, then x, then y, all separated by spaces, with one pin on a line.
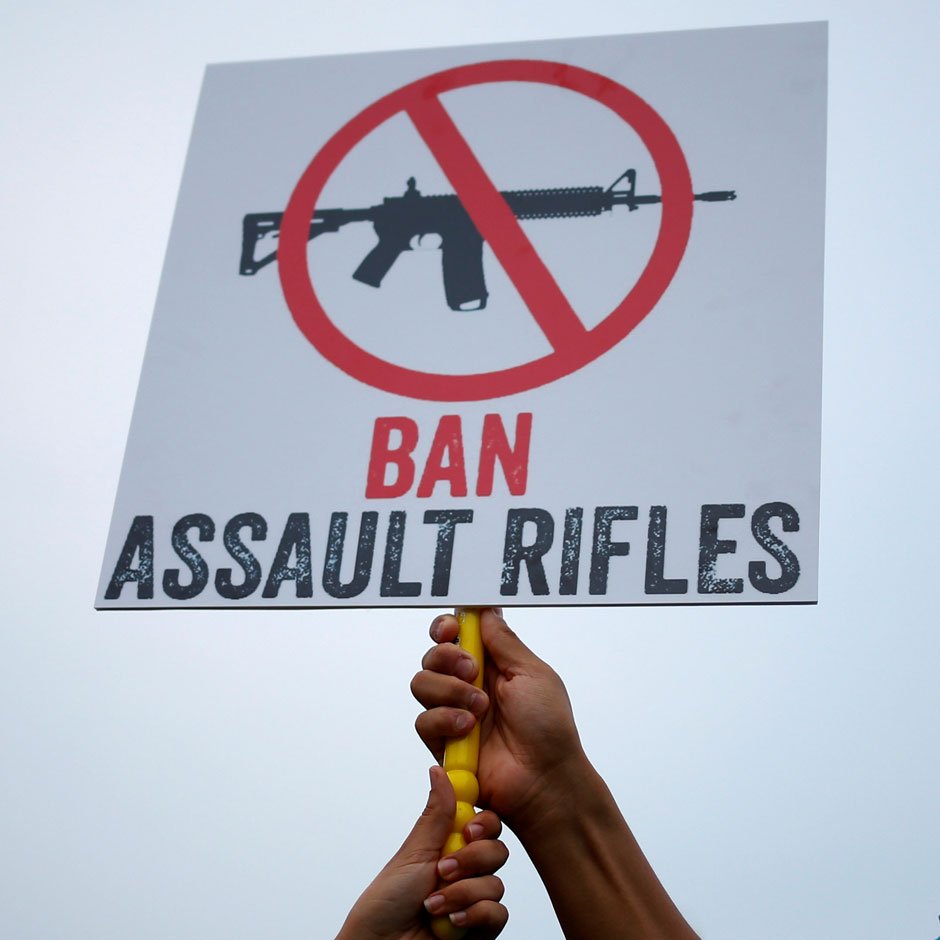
pixel 675 225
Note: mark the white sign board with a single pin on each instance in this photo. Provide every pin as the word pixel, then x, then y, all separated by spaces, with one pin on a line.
pixel 535 323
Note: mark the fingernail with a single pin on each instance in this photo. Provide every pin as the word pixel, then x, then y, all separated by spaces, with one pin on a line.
pixel 477 702
pixel 474 830
pixel 458 918
pixel 465 669
pixel 463 723
pixel 499 612
pixel 436 627
pixel 446 867
pixel 434 903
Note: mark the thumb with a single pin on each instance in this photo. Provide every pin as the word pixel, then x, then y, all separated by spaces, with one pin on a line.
pixel 434 824
pixel 506 650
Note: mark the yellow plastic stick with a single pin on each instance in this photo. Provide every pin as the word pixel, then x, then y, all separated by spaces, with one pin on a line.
pixel 461 756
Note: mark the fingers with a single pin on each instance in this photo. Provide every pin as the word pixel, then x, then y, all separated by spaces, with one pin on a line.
pixel 485 825
pixel 434 824
pixel 434 690
pixel 472 902
pixel 435 726
pixel 443 688
pixel 473 861
pixel 486 918
pixel 451 660
pixel 483 854
pixel 470 891
pixel 444 628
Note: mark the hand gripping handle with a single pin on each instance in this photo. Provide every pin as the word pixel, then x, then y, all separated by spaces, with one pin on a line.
pixel 461 756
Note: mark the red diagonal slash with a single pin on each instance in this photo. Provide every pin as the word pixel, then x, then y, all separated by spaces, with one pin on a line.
pixel 496 222
pixel 573 346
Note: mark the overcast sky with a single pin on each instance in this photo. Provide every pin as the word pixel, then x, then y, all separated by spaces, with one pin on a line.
pixel 245 774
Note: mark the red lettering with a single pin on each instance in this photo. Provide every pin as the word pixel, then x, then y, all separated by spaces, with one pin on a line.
pixel 393 465
pixel 384 455
pixel 513 459
pixel 448 442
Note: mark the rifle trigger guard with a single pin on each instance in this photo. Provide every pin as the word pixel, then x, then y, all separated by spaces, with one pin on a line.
pixel 427 242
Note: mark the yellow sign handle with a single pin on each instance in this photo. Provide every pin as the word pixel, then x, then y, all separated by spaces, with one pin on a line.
pixel 461 756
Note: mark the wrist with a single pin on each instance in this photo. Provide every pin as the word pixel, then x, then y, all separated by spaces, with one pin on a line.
pixel 566 793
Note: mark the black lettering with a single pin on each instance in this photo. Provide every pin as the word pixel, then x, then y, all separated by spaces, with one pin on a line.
pixel 391 569
pixel 710 547
pixel 604 546
pixel 194 561
pixel 139 544
pixel 515 552
pixel 656 582
pixel 446 521
pixel 781 553
pixel 234 545
pixel 571 552
pixel 365 550
pixel 294 542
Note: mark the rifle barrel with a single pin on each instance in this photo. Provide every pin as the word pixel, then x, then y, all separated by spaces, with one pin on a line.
pixel 720 195
pixel 628 199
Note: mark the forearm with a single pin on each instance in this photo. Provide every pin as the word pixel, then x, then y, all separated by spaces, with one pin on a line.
pixel 596 875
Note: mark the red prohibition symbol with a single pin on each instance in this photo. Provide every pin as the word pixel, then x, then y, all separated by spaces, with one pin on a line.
pixel 573 346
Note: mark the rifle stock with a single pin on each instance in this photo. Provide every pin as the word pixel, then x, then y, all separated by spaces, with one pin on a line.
pixel 257 226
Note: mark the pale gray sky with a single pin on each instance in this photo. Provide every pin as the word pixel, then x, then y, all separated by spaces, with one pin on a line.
pixel 245 774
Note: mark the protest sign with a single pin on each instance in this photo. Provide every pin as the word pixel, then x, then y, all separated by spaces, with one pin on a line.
pixel 530 323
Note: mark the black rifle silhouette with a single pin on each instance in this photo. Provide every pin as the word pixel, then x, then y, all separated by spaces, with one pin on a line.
pixel 399 220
